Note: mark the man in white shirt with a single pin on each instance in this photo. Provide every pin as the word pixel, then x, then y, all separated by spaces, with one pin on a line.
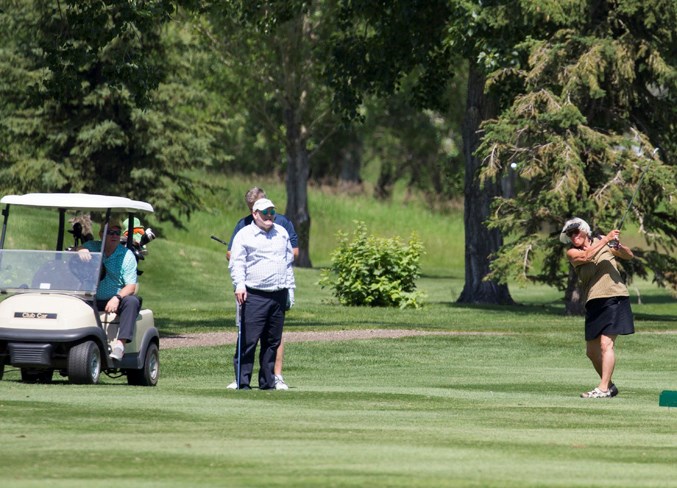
pixel 262 274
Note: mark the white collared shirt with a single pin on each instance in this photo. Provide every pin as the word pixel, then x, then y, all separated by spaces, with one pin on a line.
pixel 262 260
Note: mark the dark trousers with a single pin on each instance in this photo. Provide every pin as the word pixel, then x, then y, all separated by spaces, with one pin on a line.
pixel 262 318
pixel 128 310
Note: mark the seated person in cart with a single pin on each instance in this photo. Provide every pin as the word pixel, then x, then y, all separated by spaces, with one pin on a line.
pixel 117 289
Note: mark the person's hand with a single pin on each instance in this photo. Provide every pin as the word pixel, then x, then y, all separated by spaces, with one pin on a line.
pixel 613 235
pixel 290 299
pixel 112 305
pixel 241 296
pixel 85 255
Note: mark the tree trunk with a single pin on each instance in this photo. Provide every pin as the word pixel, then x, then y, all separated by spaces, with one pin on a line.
pixel 298 171
pixel 351 162
pixel 480 242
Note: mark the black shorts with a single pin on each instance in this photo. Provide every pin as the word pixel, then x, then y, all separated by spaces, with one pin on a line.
pixel 608 316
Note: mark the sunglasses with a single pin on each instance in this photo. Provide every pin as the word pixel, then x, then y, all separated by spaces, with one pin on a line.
pixel 114 232
pixel 268 211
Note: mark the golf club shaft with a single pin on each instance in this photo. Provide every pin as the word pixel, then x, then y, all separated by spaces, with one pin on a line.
pixel 632 199
pixel 238 323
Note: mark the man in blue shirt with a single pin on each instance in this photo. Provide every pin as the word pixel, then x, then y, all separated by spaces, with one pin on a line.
pixel 263 278
pixel 250 198
pixel 117 290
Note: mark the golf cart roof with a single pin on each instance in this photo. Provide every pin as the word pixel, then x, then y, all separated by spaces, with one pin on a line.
pixel 77 201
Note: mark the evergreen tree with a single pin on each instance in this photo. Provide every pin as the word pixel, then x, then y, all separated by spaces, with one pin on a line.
pixel 596 96
pixel 90 110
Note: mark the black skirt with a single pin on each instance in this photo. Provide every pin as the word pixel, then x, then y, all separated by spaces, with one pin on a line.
pixel 608 316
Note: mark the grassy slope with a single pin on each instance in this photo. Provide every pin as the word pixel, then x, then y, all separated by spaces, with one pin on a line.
pixel 496 410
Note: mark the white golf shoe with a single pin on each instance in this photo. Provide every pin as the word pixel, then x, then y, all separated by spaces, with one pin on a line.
pixel 279 383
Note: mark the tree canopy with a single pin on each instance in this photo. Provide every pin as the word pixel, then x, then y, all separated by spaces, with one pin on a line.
pixel 85 108
pixel 596 97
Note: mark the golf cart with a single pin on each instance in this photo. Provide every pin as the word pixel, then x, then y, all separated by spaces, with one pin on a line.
pixel 50 319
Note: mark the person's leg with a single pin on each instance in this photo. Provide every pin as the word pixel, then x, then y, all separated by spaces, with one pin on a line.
pixel 279 358
pixel 128 311
pixel 270 341
pixel 252 326
pixel 608 361
pixel 594 353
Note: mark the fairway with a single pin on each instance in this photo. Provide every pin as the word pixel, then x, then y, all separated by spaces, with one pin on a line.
pixel 490 398
pixel 442 410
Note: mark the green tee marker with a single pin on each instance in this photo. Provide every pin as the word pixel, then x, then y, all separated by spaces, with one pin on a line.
pixel 667 399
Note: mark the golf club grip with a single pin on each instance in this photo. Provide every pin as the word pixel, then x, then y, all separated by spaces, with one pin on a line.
pixel 219 240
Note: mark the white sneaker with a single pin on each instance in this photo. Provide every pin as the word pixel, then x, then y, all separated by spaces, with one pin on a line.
pixel 117 351
pixel 232 386
pixel 596 393
pixel 279 383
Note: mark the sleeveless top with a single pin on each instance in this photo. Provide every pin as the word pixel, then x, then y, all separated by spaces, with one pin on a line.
pixel 600 277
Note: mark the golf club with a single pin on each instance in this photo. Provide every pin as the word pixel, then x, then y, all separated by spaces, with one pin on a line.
pixel 634 194
pixel 238 324
pixel 614 244
pixel 219 240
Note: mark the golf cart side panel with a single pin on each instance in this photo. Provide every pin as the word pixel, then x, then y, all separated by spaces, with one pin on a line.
pixel 65 336
pixel 135 359
pixel 144 323
pixel 45 311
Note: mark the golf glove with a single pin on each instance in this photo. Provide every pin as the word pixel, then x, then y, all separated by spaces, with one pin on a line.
pixel 290 299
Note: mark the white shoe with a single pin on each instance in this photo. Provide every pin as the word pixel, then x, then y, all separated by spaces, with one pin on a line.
pixel 279 383
pixel 117 351
pixel 596 393
pixel 232 386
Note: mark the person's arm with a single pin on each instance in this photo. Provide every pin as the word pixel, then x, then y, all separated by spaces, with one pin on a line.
pixel 582 256
pixel 293 237
pixel 237 267
pixel 622 252
pixel 238 227
pixel 291 283
pixel 84 251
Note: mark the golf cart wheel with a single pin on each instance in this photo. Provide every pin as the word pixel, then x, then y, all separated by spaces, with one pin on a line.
pixel 149 375
pixel 29 375
pixel 84 364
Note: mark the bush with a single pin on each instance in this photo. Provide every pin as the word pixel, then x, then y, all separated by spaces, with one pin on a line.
pixel 374 271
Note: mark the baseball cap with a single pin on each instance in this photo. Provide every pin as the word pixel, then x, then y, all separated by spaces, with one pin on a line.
pixel 262 204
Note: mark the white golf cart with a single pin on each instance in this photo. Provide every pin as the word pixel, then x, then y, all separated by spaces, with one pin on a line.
pixel 49 321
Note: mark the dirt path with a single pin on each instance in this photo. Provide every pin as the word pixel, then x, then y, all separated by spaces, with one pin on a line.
pixel 221 338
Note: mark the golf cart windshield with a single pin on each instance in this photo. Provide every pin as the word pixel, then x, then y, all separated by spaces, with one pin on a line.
pixel 49 271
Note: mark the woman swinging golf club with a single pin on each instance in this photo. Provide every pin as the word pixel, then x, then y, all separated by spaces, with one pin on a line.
pixel 607 302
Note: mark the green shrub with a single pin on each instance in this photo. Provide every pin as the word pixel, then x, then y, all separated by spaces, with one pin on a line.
pixel 374 271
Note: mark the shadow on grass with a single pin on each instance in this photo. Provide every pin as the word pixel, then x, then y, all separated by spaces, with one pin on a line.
pixel 654 300
pixel 518 308
pixel 657 318
pixel 557 309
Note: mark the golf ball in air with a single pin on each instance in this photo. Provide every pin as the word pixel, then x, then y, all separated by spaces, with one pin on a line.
pixel 513 165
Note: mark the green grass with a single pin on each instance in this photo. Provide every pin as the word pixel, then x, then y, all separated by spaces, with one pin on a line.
pixel 425 411
pixel 456 410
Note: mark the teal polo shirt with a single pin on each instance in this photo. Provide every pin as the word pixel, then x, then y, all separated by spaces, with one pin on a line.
pixel 120 270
